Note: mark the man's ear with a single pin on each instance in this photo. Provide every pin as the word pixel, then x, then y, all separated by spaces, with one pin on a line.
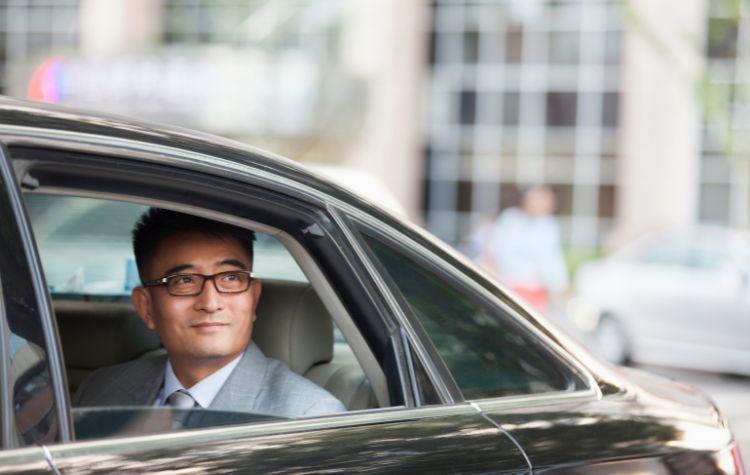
pixel 255 288
pixel 142 302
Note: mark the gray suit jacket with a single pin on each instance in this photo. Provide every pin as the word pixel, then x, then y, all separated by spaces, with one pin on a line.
pixel 258 385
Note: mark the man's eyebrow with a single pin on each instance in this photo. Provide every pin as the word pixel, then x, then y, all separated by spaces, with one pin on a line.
pixel 178 269
pixel 233 262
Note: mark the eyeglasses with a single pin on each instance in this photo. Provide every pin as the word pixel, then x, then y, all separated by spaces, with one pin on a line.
pixel 190 285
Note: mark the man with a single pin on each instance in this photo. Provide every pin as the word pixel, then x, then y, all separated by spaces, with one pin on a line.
pixel 199 296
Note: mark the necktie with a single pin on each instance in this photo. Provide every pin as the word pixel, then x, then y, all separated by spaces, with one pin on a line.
pixel 181 399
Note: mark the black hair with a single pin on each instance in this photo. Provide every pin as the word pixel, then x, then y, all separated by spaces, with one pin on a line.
pixel 157 224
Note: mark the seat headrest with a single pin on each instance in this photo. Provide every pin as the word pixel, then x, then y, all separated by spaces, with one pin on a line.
pixel 293 325
pixel 96 334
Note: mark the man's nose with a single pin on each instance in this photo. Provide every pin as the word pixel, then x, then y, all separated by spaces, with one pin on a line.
pixel 209 300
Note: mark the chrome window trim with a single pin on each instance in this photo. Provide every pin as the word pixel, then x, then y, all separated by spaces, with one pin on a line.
pixel 149 152
pixel 244 172
pixel 534 400
pixel 260 429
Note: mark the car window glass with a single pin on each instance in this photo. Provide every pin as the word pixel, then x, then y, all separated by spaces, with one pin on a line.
pixel 684 253
pixel 669 252
pixel 31 385
pixel 487 354
pixel 706 259
pixel 428 395
pixel 86 248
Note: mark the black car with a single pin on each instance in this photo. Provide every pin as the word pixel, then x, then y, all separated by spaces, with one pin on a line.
pixel 440 370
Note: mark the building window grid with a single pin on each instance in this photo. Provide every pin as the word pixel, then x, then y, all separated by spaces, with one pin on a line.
pixel 724 191
pixel 32 30
pixel 491 75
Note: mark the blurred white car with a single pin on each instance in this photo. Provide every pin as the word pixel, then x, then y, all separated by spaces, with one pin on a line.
pixel 677 298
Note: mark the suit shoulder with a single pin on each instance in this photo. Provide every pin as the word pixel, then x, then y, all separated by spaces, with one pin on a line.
pixel 103 385
pixel 301 393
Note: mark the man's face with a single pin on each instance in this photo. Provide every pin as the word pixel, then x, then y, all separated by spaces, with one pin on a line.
pixel 208 326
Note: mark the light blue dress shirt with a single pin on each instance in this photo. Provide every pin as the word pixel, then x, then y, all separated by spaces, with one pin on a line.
pixel 204 391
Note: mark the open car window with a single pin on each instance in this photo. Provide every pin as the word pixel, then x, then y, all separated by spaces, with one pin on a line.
pixel 86 246
pixel 86 252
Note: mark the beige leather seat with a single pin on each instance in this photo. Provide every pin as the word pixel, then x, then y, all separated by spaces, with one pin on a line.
pixel 99 334
pixel 294 326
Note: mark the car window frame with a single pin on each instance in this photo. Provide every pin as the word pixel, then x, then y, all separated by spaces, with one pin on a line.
pixel 419 338
pixel 397 349
pixel 42 302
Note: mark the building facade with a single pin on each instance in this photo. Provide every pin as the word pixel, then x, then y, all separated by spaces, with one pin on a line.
pixel 633 112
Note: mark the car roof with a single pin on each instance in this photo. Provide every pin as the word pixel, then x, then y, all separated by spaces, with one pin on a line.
pixel 16 113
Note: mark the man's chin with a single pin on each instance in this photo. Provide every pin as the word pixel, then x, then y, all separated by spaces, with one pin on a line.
pixel 212 353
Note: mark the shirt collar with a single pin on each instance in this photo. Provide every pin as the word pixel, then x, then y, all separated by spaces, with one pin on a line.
pixel 205 390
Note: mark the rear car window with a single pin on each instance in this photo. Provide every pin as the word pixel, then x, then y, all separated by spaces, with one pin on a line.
pixel 488 354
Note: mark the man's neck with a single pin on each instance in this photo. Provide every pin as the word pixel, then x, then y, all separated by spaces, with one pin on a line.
pixel 191 371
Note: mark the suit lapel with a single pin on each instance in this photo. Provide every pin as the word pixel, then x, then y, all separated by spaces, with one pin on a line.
pixel 142 385
pixel 243 386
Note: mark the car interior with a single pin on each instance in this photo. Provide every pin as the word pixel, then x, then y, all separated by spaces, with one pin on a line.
pixel 292 326
pixel 300 319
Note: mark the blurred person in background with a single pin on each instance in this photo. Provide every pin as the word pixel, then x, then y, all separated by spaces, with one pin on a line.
pixel 522 248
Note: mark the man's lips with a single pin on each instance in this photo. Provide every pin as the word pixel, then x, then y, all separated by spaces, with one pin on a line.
pixel 208 325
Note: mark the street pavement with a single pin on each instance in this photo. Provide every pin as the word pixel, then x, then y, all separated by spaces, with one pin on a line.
pixel 730 393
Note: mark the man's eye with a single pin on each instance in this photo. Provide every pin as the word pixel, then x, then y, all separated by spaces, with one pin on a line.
pixel 185 279
pixel 231 276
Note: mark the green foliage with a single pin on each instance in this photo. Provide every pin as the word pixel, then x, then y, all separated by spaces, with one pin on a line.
pixel 575 257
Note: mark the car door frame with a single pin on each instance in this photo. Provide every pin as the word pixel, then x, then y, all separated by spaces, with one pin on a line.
pixel 14 455
pixel 177 159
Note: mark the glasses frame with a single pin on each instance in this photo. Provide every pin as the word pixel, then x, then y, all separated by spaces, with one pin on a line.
pixel 162 281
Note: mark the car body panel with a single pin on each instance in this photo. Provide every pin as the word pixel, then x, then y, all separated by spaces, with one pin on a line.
pixel 657 426
pixel 418 445
pixel 29 461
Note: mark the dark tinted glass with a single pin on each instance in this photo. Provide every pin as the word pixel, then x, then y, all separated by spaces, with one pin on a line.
pixel 31 389
pixel 513 45
pixel 511 108
pixel 468 107
pixel 488 354
pixel 561 109
pixel 427 393
pixel 610 109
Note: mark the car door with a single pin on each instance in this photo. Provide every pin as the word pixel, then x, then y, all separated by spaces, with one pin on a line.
pixel 447 436
pixel 516 374
pixel 32 404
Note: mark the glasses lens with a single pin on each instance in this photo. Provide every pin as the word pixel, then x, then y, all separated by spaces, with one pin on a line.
pixel 184 284
pixel 232 281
